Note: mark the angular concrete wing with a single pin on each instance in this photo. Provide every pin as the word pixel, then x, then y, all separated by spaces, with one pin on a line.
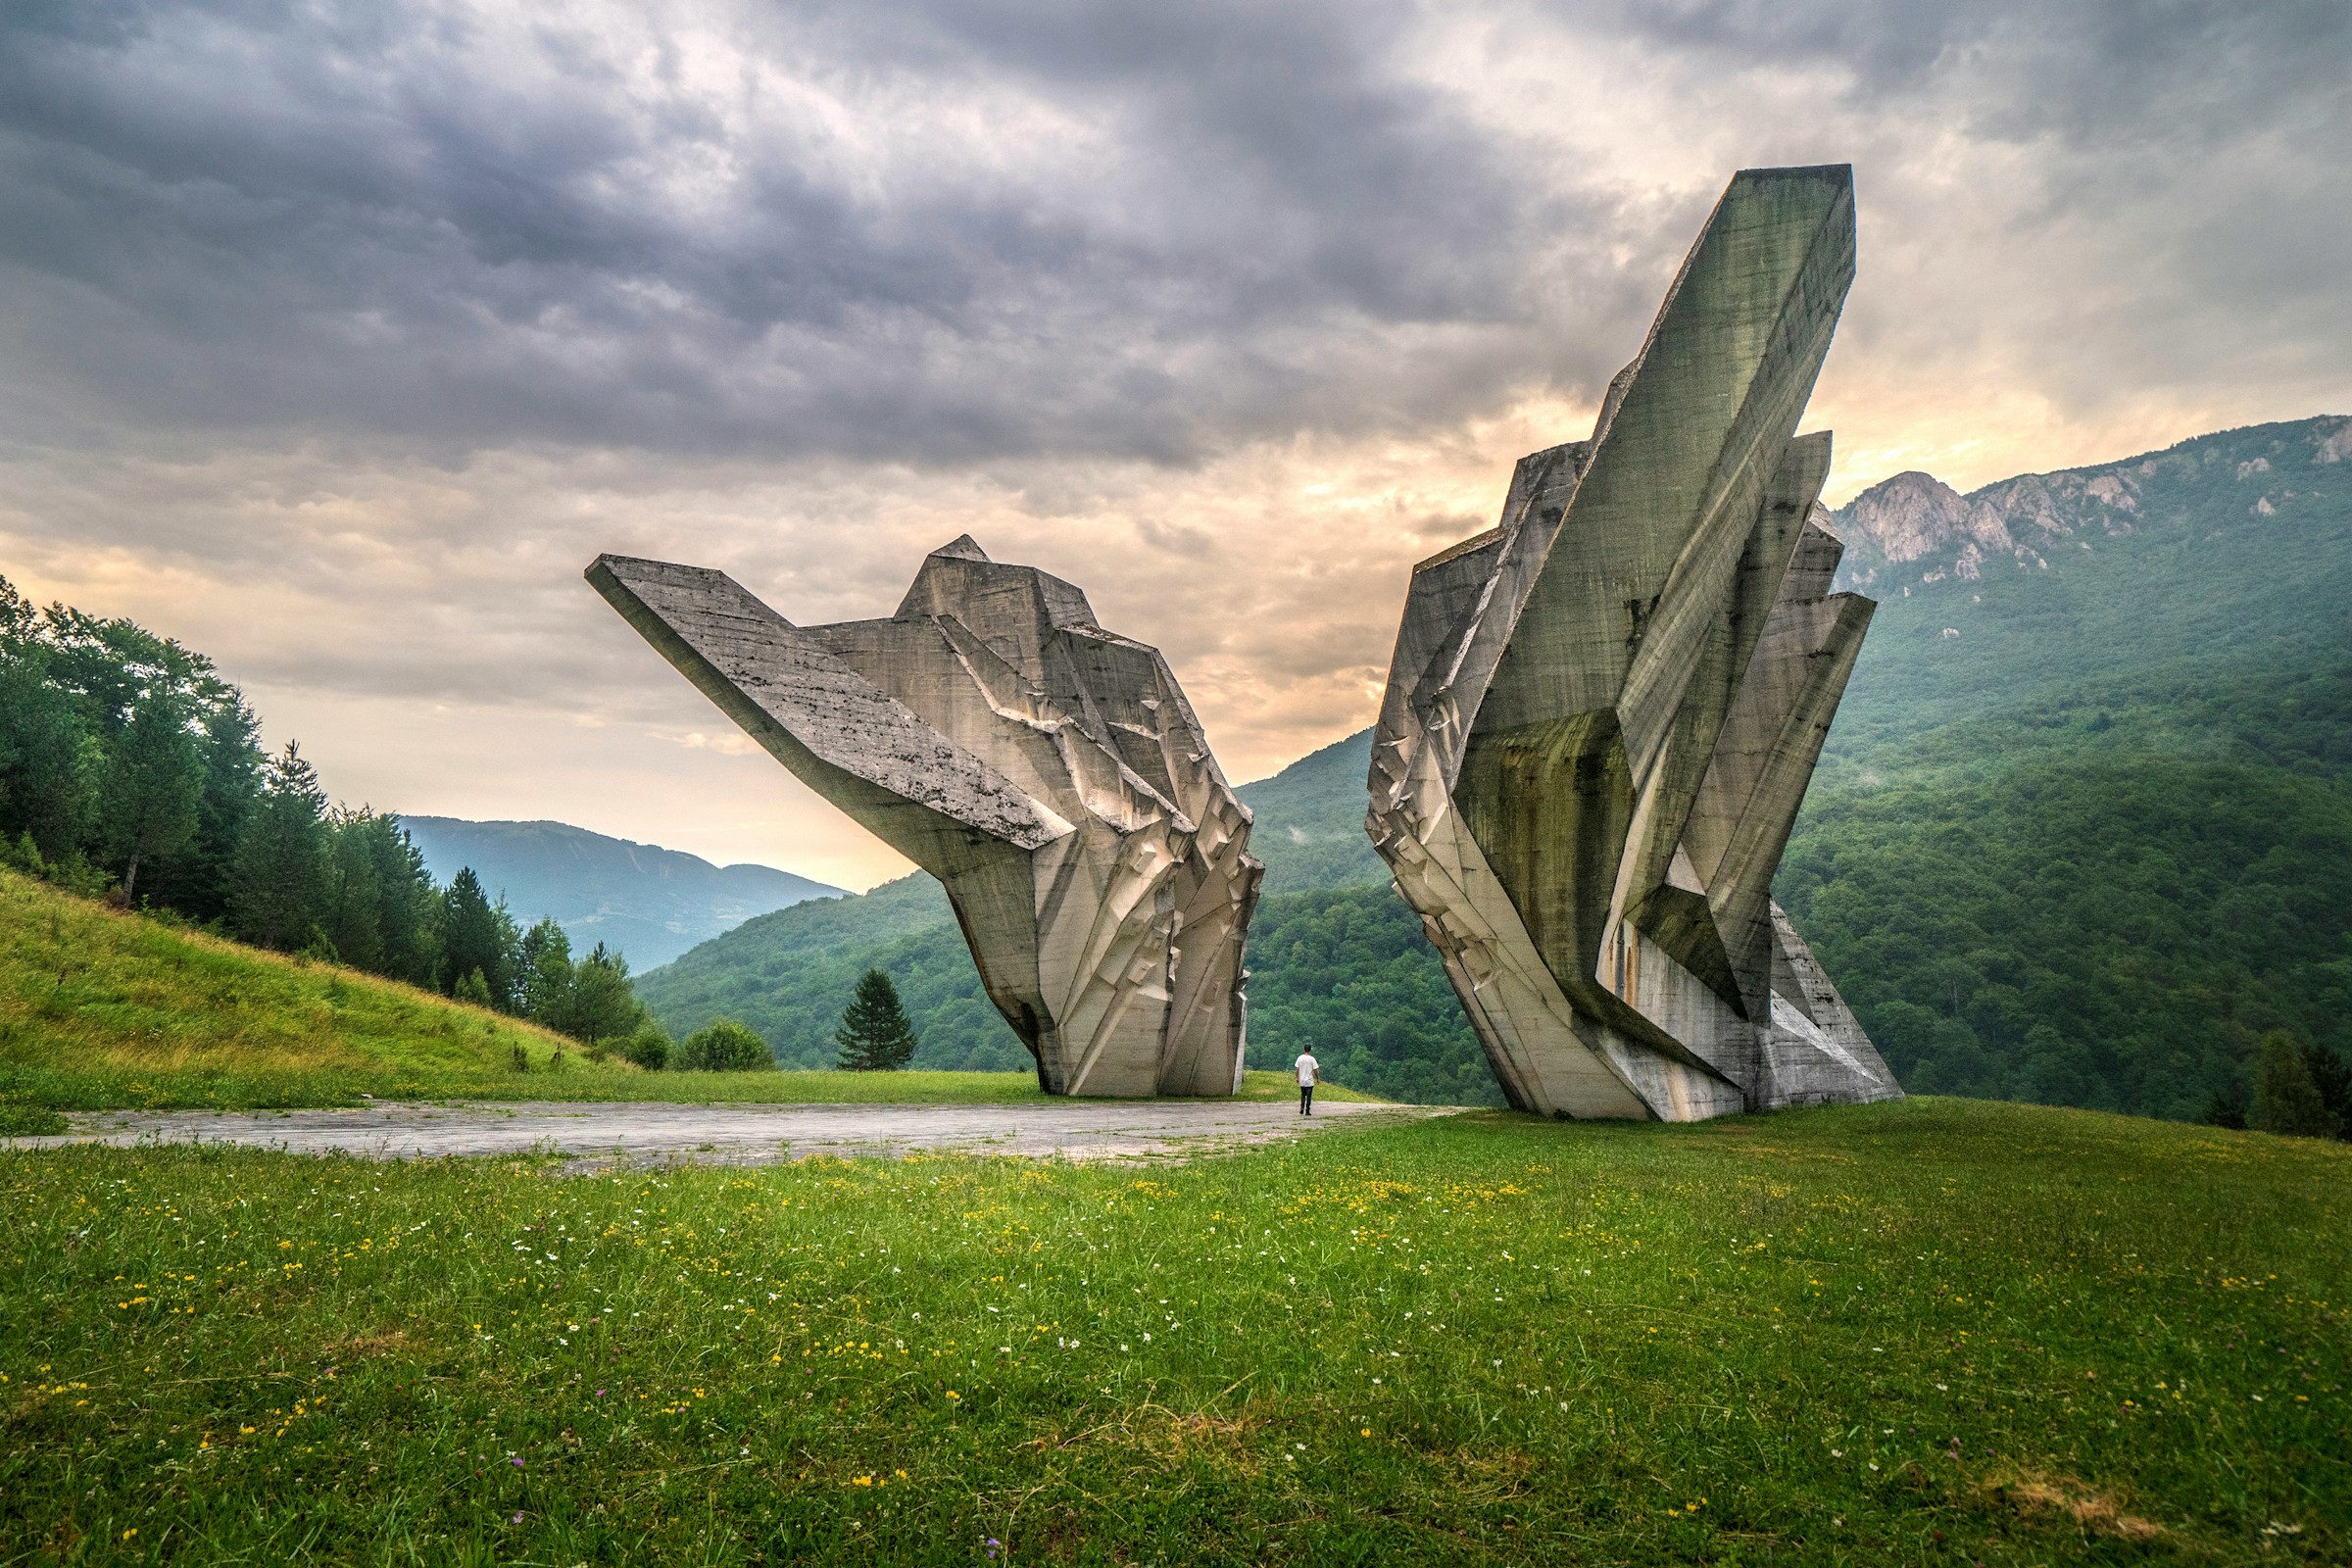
pixel 1050 773
pixel 1602 714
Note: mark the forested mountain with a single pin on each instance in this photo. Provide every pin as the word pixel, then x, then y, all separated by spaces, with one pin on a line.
pixel 643 902
pixel 1309 820
pixel 2083 830
pixel 2230 552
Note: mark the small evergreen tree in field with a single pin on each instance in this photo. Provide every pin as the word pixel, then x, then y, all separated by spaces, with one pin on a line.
pixel 474 989
pixel 875 1035
pixel 2285 1100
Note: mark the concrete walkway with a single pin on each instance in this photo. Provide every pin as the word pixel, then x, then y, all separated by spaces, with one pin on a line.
pixel 595 1135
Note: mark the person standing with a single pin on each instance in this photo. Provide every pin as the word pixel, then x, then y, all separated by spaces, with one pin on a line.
pixel 1310 1074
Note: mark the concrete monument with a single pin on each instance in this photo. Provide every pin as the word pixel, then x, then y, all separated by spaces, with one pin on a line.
pixel 1603 714
pixel 1048 772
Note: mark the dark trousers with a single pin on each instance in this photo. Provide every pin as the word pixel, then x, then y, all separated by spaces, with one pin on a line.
pixel 1306 1100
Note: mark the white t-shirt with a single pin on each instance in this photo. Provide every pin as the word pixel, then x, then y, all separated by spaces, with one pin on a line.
pixel 1307 1066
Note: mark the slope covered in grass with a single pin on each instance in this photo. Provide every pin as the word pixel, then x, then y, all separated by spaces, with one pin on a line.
pixel 100 1006
pixel 1923 1333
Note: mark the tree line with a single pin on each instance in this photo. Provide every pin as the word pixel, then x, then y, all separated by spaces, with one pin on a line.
pixel 130 769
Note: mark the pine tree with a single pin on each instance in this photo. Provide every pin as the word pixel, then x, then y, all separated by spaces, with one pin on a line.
pixel 875 1035
pixel 409 901
pixel 280 890
pixel 199 881
pixel 354 898
pixel 48 759
pixel 2333 1080
pixel 2285 1100
pixel 478 936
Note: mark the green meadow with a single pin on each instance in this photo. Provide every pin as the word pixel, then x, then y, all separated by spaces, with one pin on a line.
pixel 1935 1332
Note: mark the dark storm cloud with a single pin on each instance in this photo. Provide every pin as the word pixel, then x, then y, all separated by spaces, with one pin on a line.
pixel 949 230
pixel 2095 72
pixel 397 221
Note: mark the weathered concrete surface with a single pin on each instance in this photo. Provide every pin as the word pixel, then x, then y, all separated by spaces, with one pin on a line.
pixel 596 1134
pixel 1048 772
pixel 1602 714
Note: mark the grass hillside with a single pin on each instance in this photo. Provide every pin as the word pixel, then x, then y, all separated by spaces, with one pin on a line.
pixel 100 1007
pixel 1929 1332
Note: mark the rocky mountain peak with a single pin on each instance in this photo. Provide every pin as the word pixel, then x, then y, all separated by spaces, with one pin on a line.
pixel 1905 517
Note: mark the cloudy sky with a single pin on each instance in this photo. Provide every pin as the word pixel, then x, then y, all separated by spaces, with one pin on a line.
pixel 337 338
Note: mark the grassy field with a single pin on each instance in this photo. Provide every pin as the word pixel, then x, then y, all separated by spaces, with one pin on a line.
pixel 1934 1332
pixel 101 1010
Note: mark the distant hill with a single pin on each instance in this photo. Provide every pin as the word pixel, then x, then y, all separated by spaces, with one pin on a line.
pixel 1309 820
pixel 2223 550
pixel 646 903
pixel 2083 829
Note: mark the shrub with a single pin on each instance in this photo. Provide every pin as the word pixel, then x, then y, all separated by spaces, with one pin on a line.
pixel 648 1047
pixel 724 1046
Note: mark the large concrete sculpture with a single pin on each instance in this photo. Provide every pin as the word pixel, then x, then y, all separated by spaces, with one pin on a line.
pixel 1048 772
pixel 1602 714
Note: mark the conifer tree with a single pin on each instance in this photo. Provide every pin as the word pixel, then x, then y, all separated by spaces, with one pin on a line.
pixel 2333 1080
pixel 478 936
pixel 278 894
pixel 2285 1100
pixel 604 1006
pixel 48 759
pixel 875 1035
pixel 200 880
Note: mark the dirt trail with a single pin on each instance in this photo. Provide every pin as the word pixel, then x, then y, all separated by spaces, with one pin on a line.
pixel 594 1135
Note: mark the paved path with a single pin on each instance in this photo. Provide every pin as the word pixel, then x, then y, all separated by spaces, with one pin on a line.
pixel 594 1135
